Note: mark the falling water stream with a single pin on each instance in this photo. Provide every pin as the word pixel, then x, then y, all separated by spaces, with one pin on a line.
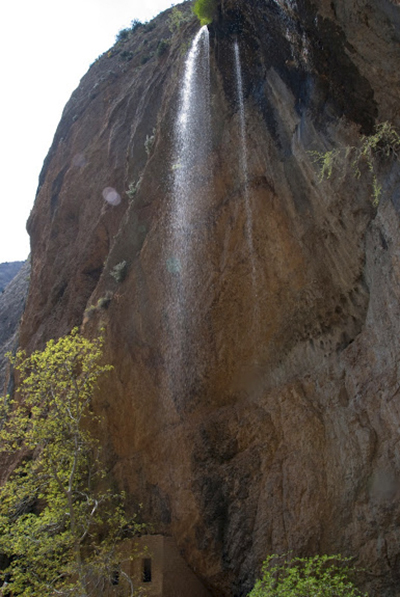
pixel 190 189
pixel 192 144
pixel 244 168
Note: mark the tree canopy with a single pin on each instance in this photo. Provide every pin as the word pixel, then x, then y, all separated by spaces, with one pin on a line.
pixel 59 526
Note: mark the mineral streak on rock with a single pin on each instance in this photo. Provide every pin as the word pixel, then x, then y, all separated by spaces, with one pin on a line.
pixel 286 436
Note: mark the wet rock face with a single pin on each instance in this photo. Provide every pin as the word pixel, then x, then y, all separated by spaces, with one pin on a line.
pixel 309 52
pixel 268 420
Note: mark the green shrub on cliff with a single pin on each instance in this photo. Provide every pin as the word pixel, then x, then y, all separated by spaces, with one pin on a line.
pixel 384 144
pixel 60 529
pixel 318 576
pixel 119 271
pixel 175 19
pixel 122 35
pixel 163 47
pixel 205 11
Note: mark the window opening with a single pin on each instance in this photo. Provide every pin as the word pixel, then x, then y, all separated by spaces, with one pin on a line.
pixel 115 577
pixel 146 576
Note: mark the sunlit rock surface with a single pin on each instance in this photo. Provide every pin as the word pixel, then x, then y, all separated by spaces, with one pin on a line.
pixel 277 427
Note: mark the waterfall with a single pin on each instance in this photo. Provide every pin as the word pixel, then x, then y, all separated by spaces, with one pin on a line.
pixel 190 190
pixel 244 168
pixel 192 145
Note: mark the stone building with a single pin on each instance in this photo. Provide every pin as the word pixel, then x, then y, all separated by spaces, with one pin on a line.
pixel 162 572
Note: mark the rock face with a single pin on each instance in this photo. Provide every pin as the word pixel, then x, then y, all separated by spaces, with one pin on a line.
pixel 263 414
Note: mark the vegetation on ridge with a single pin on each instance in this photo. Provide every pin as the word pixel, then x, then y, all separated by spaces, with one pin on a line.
pixel 61 531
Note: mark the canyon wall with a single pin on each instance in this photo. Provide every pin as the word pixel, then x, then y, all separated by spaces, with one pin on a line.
pixel 263 414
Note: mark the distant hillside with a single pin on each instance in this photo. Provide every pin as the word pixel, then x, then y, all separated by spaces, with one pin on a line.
pixel 8 271
pixel 12 303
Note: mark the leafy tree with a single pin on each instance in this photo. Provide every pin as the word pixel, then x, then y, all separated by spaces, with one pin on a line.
pixel 318 576
pixel 60 529
pixel 205 11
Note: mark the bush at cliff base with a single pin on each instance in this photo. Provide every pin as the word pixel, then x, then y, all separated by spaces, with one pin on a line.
pixel 318 576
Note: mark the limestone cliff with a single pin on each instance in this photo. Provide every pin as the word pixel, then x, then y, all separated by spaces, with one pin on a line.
pixel 263 414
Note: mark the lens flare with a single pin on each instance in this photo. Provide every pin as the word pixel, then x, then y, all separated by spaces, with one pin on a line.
pixel 111 196
pixel 79 160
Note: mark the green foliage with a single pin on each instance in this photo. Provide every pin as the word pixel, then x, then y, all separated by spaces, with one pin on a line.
pixel 149 142
pixel 175 19
pixel 325 162
pixel 136 24
pixel 146 58
pixel 133 188
pixel 59 527
pixel 205 11
pixel 149 26
pixel 119 271
pixel 383 144
pixel 104 301
pixel 122 35
pixel 385 141
pixel 163 46
pixel 126 55
pixel 318 576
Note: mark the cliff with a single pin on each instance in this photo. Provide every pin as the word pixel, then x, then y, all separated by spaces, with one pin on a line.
pixel 254 404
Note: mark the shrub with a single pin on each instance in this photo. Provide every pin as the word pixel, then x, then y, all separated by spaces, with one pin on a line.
pixel 205 11
pixel 162 47
pixel 322 576
pixel 149 142
pixel 383 144
pixel 104 301
pixel 325 162
pixel 119 271
pixel 175 19
pixel 90 312
pixel 126 55
pixel 133 188
pixel 136 24
pixel 146 58
pixel 149 26
pixel 122 35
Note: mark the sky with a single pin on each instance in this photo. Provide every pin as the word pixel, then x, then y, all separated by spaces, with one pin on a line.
pixel 46 46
